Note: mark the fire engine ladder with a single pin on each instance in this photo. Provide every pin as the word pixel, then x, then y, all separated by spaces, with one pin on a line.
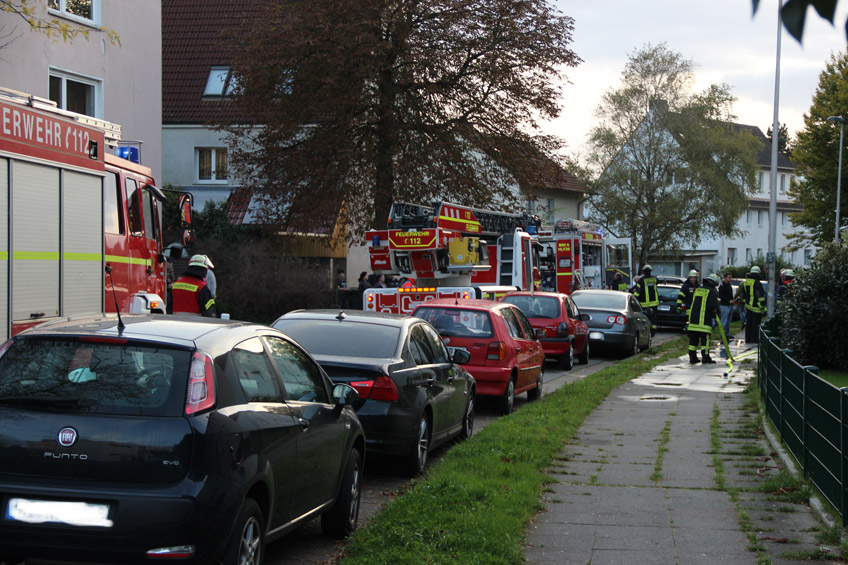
pixel 415 217
pixel 508 253
pixel 112 132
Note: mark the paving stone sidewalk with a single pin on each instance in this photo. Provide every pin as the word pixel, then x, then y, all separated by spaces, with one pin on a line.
pixel 644 483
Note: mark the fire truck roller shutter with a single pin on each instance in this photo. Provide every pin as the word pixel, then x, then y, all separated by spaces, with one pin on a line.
pixel 35 241
pixel 4 248
pixel 82 243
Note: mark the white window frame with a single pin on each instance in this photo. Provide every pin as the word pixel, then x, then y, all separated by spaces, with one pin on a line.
pixel 63 12
pixel 762 183
pixel 782 184
pixel 95 83
pixel 213 180
pixel 219 75
pixel 749 216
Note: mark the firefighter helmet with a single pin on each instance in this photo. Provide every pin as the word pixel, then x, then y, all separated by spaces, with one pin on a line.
pixel 789 274
pixel 755 270
pixel 200 261
pixel 693 273
pixel 714 277
pixel 647 268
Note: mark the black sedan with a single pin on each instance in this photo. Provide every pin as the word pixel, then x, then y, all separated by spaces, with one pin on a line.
pixel 416 396
pixel 668 312
pixel 181 438
pixel 616 320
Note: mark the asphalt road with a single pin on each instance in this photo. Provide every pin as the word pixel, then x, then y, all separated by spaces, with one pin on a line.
pixel 382 480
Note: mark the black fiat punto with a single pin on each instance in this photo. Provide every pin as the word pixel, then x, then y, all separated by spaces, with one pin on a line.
pixel 169 438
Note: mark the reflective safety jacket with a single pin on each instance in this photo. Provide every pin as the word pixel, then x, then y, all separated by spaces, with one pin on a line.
pixel 684 297
pixel 646 292
pixel 754 295
pixel 703 309
pixel 190 294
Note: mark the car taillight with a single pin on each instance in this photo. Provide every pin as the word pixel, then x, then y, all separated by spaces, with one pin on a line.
pixel 496 351
pixel 201 384
pixel 381 388
pixel 617 320
pixel 562 330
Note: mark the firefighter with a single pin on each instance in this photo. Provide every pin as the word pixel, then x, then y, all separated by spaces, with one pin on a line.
pixel 646 292
pixel 702 311
pixel 754 298
pixel 684 297
pixel 618 282
pixel 190 293
pixel 788 275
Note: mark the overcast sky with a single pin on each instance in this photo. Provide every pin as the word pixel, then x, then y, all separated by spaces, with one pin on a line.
pixel 723 39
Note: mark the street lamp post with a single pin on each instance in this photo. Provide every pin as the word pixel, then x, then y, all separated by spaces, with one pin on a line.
pixel 841 121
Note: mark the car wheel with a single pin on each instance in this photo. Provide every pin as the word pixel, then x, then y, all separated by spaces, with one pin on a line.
pixel 632 348
pixel 583 358
pixel 247 540
pixel 468 418
pixel 417 460
pixel 508 398
pixel 536 393
pixel 566 360
pixel 340 521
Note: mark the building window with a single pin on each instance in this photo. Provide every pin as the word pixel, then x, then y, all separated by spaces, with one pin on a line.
pixel 762 182
pixel 760 218
pixel 220 82
pixel 211 164
pixel 76 93
pixel 749 216
pixel 808 256
pixel 782 183
pixel 550 210
pixel 759 253
pixel 76 9
pixel 783 218
pixel 731 255
pixel 748 256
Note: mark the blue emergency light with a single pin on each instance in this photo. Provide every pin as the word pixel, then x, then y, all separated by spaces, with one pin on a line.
pixel 127 152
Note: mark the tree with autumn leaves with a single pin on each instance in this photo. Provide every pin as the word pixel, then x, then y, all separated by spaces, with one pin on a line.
pixel 353 104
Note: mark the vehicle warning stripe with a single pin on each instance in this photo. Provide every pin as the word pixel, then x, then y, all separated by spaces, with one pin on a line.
pixel 129 260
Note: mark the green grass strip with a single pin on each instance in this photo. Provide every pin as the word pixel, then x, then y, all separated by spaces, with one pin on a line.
pixel 476 503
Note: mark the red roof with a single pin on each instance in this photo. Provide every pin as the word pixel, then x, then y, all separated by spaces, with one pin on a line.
pixel 192 43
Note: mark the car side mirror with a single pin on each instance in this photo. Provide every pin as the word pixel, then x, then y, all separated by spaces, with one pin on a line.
pixel 344 395
pixel 583 317
pixel 461 357
pixel 540 333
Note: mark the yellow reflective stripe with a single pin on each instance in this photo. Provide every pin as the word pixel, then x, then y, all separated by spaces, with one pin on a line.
pixel 4 255
pixel 83 257
pixel 185 286
pixel 568 274
pixel 209 304
pixel 35 255
pixel 129 260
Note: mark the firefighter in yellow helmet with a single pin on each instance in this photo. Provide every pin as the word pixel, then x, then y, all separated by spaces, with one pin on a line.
pixel 646 292
pixel 702 312
pixel 191 293
pixel 754 297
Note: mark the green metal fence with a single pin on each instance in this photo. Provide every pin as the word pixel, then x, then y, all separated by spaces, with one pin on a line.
pixel 810 415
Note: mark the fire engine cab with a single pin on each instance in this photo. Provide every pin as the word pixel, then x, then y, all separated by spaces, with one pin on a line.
pixel 80 228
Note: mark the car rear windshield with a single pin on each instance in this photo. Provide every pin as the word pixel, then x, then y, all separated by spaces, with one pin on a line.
pixel 536 306
pixel 668 292
pixel 103 378
pixel 617 301
pixel 457 322
pixel 347 338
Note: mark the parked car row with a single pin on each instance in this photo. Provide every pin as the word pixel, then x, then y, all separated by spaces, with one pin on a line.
pixel 190 438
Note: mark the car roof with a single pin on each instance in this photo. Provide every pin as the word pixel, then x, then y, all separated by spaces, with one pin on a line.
pixel 536 293
pixel 597 291
pixel 467 303
pixel 360 316
pixel 177 329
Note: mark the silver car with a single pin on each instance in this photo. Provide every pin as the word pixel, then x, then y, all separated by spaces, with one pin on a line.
pixel 616 320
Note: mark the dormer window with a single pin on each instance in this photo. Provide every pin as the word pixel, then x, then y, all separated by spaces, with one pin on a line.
pixel 220 82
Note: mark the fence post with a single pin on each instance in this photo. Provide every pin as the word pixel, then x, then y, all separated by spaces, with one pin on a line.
pixel 843 499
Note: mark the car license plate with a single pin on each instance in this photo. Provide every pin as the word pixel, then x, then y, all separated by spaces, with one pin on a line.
pixel 664 307
pixel 596 335
pixel 72 513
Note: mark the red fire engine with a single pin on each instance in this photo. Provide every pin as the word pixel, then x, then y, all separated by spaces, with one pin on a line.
pixel 80 229
pixel 448 250
pixel 576 255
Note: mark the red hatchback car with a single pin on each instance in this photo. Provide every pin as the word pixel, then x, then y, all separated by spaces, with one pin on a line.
pixel 566 333
pixel 506 356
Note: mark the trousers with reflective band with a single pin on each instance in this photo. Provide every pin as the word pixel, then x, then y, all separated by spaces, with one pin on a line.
pixel 698 321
